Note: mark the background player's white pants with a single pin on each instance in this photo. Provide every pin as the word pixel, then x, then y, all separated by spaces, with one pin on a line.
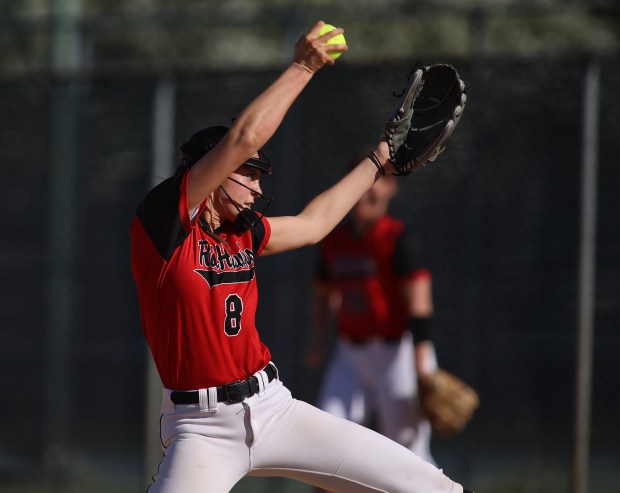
pixel 378 378
pixel 272 434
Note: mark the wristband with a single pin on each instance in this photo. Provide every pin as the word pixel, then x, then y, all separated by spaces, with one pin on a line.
pixel 420 328
pixel 377 162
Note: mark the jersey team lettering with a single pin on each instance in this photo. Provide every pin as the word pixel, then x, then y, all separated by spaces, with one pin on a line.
pixel 223 267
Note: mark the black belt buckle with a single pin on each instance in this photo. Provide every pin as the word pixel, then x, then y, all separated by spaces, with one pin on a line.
pixel 236 391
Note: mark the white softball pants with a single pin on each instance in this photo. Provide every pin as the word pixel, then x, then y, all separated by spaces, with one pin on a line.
pixel 272 434
pixel 378 377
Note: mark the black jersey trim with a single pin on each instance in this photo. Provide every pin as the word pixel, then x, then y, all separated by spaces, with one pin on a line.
pixel 215 278
pixel 159 215
pixel 408 254
pixel 258 235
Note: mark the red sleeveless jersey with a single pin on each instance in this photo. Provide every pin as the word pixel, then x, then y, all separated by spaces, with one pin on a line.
pixel 197 296
pixel 368 271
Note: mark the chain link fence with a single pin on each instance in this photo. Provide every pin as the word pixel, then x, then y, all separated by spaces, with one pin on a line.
pixel 498 212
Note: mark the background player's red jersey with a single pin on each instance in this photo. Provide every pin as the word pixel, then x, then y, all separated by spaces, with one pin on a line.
pixel 367 270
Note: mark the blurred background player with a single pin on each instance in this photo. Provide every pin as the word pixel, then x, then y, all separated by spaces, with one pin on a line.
pixel 375 286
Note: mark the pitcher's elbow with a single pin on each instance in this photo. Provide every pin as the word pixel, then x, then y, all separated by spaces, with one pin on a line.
pixel 246 138
pixel 315 237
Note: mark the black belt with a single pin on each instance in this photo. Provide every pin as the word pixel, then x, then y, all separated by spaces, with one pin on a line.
pixel 231 392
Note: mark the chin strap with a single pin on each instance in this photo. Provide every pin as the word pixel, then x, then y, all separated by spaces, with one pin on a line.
pixel 247 217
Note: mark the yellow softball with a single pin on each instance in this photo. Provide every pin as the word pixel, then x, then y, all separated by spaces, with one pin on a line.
pixel 336 40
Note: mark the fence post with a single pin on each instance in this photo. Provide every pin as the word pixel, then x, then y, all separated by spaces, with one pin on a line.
pixel 66 66
pixel 586 278
pixel 163 155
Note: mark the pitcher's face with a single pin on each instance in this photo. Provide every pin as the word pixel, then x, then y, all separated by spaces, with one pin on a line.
pixel 242 188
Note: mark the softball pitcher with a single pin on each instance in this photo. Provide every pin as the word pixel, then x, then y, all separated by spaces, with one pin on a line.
pixel 225 412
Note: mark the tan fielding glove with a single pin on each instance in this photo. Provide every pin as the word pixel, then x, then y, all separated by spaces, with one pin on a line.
pixel 447 401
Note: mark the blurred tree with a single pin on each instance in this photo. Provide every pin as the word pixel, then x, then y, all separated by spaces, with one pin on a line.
pixel 194 34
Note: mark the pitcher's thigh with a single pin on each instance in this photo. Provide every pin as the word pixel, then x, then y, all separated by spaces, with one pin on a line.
pixel 313 446
pixel 194 464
